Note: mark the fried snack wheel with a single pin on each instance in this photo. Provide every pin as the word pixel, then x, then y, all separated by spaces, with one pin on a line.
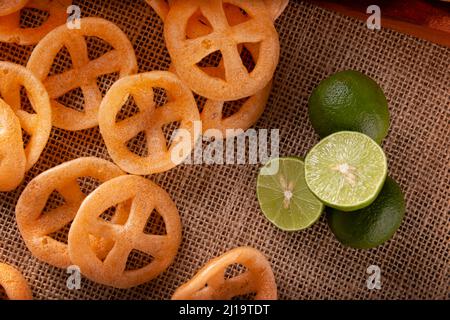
pixel 180 107
pixel 10 30
pixel 244 118
pixel 36 226
pixel 12 155
pixel 186 53
pixel 210 284
pixel 248 114
pixel 145 196
pixel 36 124
pixel 11 6
pixel 251 109
pixel 14 284
pixel 84 73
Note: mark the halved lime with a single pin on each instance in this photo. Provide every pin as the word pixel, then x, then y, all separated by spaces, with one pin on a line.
pixel 346 170
pixel 284 197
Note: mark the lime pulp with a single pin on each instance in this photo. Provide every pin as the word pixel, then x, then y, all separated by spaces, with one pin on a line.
pixel 346 170
pixel 284 197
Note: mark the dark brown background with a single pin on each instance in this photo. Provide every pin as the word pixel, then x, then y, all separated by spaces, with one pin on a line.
pixel 217 204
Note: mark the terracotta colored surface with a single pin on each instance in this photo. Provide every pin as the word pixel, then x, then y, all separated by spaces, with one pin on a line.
pixel 429 20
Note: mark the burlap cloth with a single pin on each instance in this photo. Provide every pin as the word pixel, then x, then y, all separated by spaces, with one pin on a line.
pixel 217 203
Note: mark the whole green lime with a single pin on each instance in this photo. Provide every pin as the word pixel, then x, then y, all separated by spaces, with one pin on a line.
pixel 349 101
pixel 370 227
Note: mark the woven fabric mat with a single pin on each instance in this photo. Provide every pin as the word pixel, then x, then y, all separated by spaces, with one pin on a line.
pixel 217 203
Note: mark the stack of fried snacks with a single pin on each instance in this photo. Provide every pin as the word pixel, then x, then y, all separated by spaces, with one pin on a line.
pixel 109 222
pixel 99 245
pixel 226 27
pixel 16 157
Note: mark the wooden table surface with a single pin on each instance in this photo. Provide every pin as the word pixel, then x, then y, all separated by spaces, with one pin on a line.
pixel 428 20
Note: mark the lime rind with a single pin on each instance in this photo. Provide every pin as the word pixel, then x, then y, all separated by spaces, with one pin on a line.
pixel 304 208
pixel 371 226
pixel 346 170
pixel 349 101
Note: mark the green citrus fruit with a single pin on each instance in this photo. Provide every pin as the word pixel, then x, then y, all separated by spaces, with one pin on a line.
pixel 346 170
pixel 284 197
pixel 373 225
pixel 349 101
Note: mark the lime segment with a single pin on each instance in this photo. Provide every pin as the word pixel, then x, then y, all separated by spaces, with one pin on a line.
pixel 284 197
pixel 346 170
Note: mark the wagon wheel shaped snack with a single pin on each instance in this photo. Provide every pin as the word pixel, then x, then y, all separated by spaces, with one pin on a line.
pixel 210 284
pixel 12 155
pixel 211 115
pixel 36 226
pixel 213 120
pixel 180 106
pixel 247 115
pixel 84 73
pixel 36 123
pixel 145 196
pixel 13 283
pixel 250 111
pixel 10 30
pixel 187 53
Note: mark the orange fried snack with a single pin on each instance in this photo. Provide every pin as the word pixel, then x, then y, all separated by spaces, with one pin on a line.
pixel 276 7
pixel 10 30
pixel 161 7
pixel 36 226
pixel 37 124
pixel 145 196
pixel 12 155
pixel 252 108
pixel 180 107
pixel 210 283
pixel 14 284
pixel 84 73
pixel 11 6
pixel 187 53
pixel 247 115
pixel 211 116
